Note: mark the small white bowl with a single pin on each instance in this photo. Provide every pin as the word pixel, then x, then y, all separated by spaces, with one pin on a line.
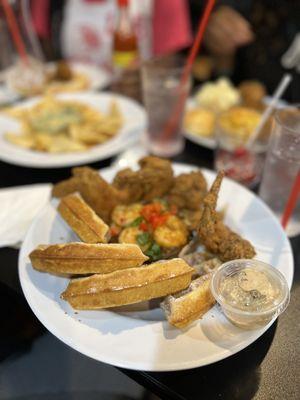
pixel 238 314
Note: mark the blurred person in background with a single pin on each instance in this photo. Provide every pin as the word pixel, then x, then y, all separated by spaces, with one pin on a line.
pixel 247 39
pixel 115 35
pixel 82 30
pixel 100 31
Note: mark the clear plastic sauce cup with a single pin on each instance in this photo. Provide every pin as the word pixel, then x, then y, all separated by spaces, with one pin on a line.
pixel 251 293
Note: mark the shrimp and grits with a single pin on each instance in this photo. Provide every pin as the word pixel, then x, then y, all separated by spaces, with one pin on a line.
pixel 155 227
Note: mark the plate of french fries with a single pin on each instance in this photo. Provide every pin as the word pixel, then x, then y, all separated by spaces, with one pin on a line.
pixel 69 129
pixel 119 304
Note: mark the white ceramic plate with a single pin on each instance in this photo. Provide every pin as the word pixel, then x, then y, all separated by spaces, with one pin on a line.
pixel 98 79
pixel 138 338
pixel 135 122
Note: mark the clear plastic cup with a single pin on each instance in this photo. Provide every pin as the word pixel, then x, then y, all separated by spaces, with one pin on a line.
pixel 162 93
pixel 250 309
pixel 282 165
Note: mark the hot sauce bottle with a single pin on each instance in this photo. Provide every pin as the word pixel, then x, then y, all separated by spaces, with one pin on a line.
pixel 125 44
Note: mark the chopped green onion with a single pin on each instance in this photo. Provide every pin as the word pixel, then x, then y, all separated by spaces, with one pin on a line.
pixel 143 238
pixel 154 252
pixel 136 222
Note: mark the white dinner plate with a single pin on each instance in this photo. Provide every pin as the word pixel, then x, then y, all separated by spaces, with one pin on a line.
pixel 137 337
pixel 98 79
pixel 135 122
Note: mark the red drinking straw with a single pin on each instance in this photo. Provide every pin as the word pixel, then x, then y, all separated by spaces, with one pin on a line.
pixel 291 203
pixel 171 123
pixel 14 30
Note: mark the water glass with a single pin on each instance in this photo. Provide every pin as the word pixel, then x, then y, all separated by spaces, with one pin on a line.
pixel 161 93
pixel 283 164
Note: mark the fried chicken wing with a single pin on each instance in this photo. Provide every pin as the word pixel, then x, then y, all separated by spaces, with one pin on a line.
pixel 153 180
pixel 188 191
pixel 126 180
pixel 215 235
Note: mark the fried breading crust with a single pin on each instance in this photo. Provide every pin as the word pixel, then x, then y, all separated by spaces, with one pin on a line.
pixel 126 180
pixel 99 194
pixel 153 180
pixel 188 191
pixel 65 187
pixel 96 192
pixel 215 235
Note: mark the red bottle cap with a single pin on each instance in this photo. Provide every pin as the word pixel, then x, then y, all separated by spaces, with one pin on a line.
pixel 123 3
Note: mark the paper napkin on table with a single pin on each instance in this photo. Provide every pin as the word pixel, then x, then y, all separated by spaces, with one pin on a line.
pixel 18 207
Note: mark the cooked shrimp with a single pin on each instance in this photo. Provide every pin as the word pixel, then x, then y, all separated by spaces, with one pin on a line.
pixel 171 234
pixel 129 235
pixel 124 215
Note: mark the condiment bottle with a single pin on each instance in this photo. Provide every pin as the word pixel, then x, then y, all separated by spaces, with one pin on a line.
pixel 125 43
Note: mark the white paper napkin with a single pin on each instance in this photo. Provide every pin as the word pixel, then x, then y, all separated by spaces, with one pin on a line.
pixel 18 207
pixel 130 157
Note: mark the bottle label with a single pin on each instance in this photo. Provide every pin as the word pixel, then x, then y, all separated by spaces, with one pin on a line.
pixel 124 58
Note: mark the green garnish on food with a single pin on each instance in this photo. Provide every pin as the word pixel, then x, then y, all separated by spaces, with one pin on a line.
pixel 55 120
pixel 143 238
pixel 136 222
pixel 154 252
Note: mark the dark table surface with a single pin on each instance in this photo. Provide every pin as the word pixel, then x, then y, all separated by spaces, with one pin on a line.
pixel 269 369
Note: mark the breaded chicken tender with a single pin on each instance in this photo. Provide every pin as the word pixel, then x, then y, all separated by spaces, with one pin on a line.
pixel 99 194
pixel 96 192
pixel 65 187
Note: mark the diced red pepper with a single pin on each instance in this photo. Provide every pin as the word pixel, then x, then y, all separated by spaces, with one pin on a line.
pixel 153 213
pixel 158 220
pixel 114 230
pixel 151 209
pixel 143 227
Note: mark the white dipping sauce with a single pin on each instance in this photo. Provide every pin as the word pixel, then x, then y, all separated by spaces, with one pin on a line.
pixel 249 290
